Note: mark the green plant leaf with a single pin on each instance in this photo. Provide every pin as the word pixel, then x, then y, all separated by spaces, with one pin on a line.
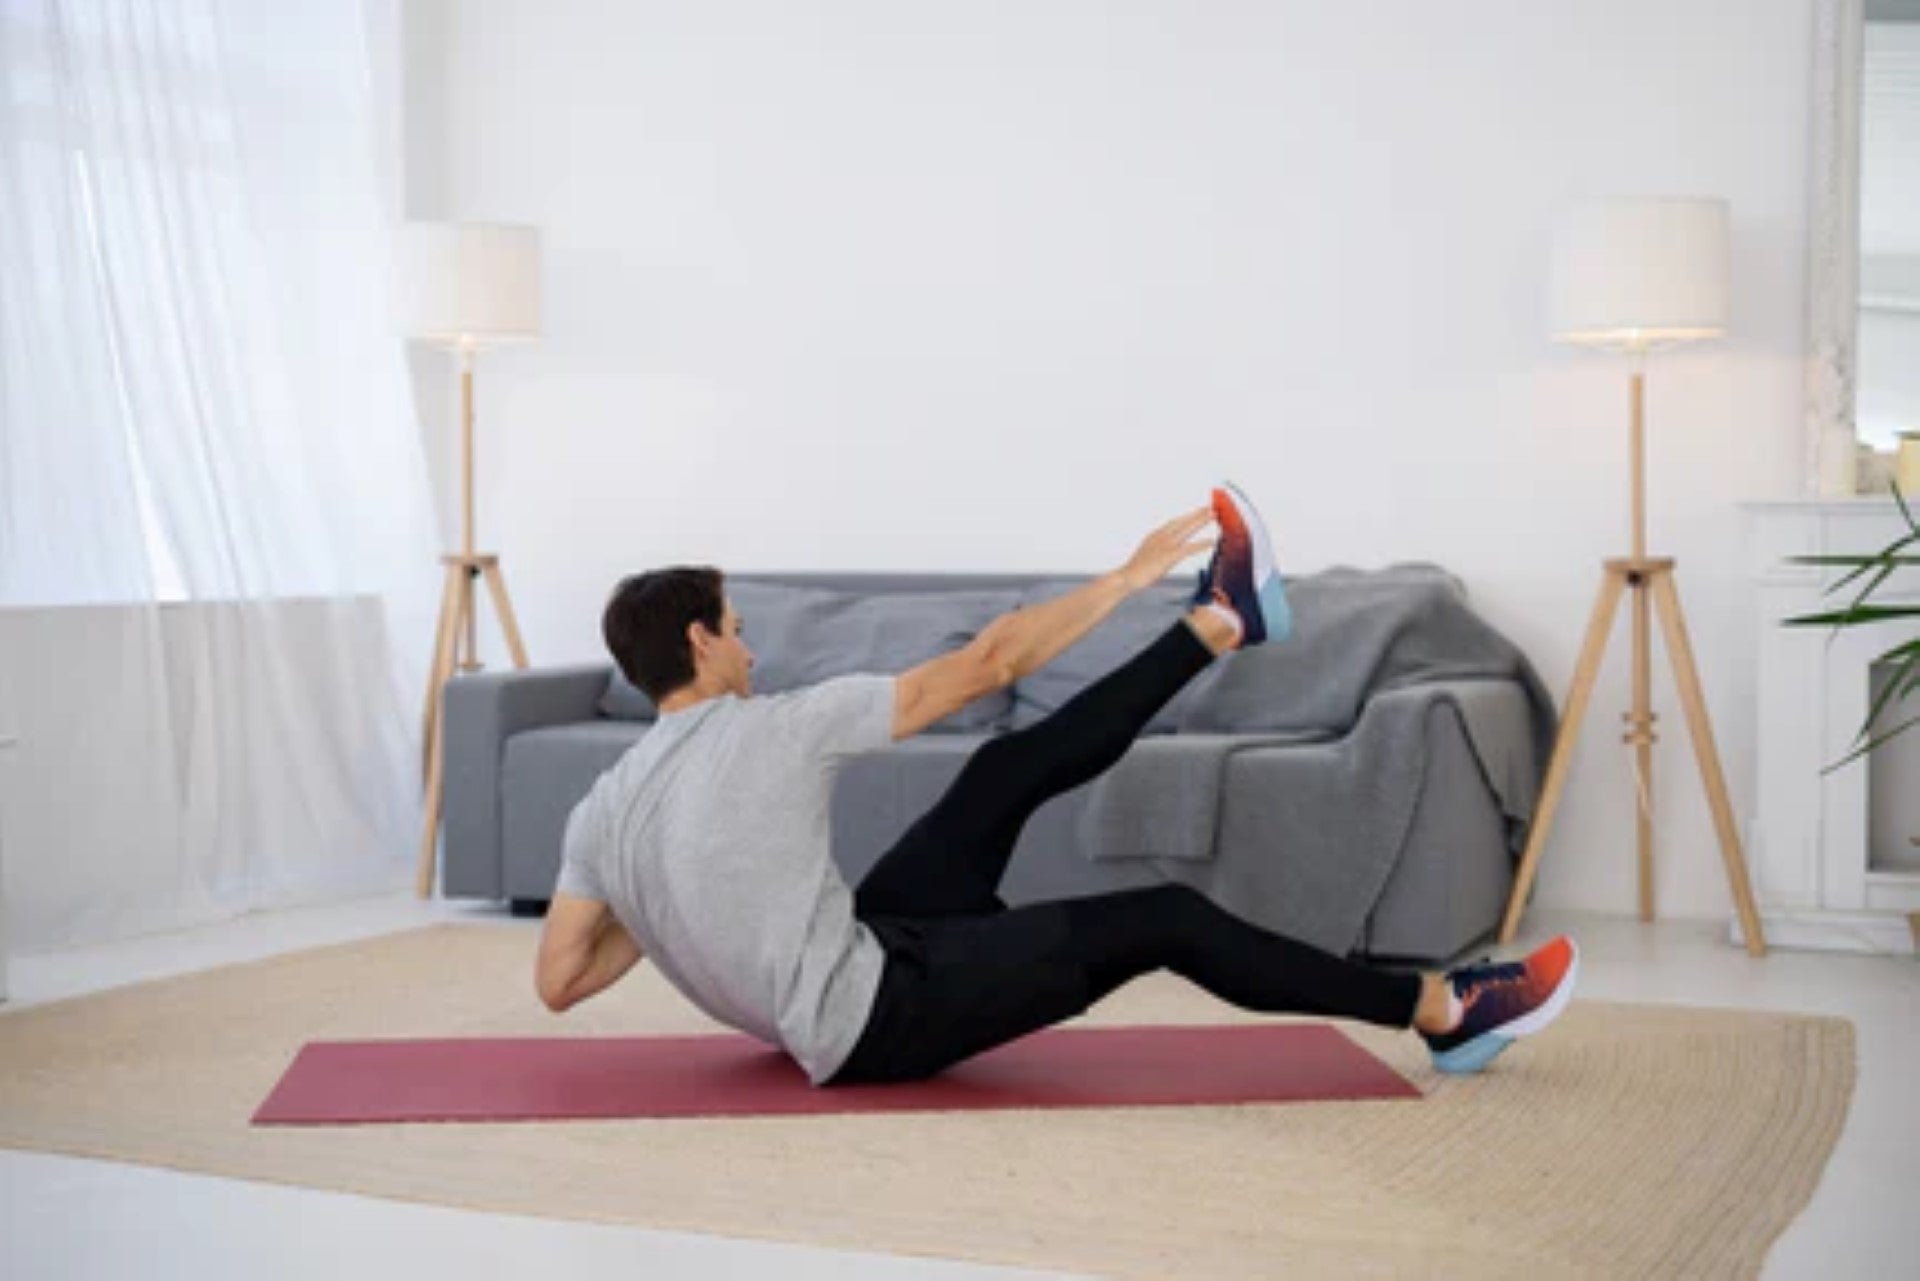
pixel 1888 693
pixel 1880 558
pixel 1858 752
pixel 1886 572
pixel 1886 560
pixel 1876 559
pixel 1880 565
pixel 1853 615
pixel 1907 655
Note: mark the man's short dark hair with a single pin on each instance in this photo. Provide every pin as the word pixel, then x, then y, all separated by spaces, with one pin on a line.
pixel 645 624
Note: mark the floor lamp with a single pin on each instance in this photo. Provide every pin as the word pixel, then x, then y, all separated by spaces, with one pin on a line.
pixel 464 287
pixel 1636 276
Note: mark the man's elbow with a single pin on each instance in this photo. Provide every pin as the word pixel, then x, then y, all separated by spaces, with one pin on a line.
pixel 553 994
pixel 993 662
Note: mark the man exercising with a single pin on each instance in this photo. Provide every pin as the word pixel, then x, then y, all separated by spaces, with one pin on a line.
pixel 707 847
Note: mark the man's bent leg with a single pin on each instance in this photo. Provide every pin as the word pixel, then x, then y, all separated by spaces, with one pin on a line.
pixel 1119 937
pixel 951 860
pixel 974 984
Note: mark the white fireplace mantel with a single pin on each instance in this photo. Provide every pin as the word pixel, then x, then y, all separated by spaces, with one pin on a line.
pixel 1819 880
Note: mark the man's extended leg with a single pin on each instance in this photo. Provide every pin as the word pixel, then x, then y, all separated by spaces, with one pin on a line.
pixel 972 983
pixel 950 862
pixel 981 982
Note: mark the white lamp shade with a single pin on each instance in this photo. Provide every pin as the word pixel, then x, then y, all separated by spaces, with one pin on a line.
pixel 1637 272
pixel 468 283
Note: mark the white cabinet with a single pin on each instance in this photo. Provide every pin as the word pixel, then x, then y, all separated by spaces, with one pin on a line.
pixel 1833 860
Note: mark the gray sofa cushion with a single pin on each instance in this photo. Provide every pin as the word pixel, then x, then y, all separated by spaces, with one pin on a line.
pixel 543 774
pixel 1162 800
pixel 1356 634
pixel 483 712
pixel 803 635
pixel 1138 621
pixel 623 700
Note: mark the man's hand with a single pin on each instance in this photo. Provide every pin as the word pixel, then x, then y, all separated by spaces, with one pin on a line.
pixel 1166 547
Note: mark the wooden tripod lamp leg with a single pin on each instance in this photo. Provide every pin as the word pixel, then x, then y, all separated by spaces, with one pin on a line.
pixel 469 659
pixel 437 672
pixel 1591 652
pixel 1641 737
pixel 437 679
pixel 509 626
pixel 1687 676
pixel 430 827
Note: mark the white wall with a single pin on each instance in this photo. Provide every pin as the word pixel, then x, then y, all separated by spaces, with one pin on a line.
pixel 999 286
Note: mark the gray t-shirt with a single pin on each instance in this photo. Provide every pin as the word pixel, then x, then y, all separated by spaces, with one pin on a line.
pixel 709 841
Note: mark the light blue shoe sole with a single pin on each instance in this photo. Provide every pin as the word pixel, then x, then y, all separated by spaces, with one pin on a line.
pixel 1274 610
pixel 1462 1060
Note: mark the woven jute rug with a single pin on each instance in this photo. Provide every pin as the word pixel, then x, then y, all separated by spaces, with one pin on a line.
pixel 1626 1140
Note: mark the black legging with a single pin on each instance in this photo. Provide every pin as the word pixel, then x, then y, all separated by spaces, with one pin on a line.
pixel 965 972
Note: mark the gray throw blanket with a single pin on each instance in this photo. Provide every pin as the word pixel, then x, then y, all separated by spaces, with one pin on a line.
pixel 1373 653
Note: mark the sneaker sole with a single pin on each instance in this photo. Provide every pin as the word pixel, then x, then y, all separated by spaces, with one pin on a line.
pixel 1277 618
pixel 1464 1060
pixel 1486 1047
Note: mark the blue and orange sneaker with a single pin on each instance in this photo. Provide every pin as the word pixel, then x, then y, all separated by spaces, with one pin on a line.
pixel 1242 576
pixel 1502 1003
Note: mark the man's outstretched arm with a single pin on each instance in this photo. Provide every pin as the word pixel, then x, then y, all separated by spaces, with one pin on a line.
pixel 583 950
pixel 1020 643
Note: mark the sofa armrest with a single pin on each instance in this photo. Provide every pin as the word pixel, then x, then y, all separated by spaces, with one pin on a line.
pixel 1311 834
pixel 483 711
pixel 1509 737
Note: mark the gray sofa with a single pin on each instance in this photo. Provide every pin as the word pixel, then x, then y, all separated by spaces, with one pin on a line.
pixel 1365 786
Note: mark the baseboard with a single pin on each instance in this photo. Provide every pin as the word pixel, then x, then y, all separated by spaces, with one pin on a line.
pixel 1873 933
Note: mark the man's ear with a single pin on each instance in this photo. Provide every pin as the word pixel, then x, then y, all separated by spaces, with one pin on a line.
pixel 699 638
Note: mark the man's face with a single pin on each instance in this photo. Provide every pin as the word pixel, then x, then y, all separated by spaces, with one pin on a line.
pixel 727 657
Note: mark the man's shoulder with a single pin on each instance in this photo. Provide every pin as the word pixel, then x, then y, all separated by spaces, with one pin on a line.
pixel 839 716
pixel 848 686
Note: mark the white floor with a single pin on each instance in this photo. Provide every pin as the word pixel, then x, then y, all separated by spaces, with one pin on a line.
pixel 67 1218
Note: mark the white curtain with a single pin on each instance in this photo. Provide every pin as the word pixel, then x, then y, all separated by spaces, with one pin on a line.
pixel 216 534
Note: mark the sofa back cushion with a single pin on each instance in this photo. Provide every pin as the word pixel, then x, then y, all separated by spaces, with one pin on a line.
pixel 1355 633
pixel 623 701
pixel 801 636
pixel 1136 624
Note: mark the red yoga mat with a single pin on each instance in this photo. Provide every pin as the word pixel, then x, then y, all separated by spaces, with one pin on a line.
pixel 578 1078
